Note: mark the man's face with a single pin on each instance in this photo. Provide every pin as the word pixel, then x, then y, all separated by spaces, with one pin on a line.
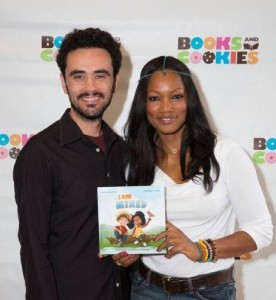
pixel 89 82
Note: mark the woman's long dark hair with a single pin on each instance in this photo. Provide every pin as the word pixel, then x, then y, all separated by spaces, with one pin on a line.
pixel 198 139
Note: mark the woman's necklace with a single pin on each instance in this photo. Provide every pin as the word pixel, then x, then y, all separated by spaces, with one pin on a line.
pixel 174 150
pixel 168 149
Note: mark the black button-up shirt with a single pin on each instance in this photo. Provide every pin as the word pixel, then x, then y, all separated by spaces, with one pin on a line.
pixel 56 177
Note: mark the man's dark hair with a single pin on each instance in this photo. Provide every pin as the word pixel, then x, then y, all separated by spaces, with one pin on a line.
pixel 89 38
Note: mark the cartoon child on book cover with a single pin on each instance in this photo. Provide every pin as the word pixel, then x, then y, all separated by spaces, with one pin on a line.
pixel 139 222
pixel 121 230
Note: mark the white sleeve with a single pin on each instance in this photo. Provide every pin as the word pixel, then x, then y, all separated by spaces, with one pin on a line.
pixel 245 193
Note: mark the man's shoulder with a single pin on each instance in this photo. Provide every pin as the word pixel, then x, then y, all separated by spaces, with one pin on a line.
pixel 38 145
pixel 110 133
pixel 51 132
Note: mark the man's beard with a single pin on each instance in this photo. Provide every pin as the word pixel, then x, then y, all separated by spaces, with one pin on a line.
pixel 90 115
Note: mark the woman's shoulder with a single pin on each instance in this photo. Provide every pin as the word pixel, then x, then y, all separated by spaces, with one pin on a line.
pixel 225 142
pixel 225 145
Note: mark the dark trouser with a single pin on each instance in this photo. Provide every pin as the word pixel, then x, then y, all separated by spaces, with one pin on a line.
pixel 153 286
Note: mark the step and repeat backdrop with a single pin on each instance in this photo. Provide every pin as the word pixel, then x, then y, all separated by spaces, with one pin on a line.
pixel 229 47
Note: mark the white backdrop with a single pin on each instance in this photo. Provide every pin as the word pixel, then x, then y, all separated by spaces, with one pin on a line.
pixel 238 89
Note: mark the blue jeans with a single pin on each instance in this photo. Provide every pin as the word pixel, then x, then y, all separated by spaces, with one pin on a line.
pixel 143 290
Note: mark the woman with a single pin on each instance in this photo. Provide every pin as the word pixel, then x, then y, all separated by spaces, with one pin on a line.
pixel 209 183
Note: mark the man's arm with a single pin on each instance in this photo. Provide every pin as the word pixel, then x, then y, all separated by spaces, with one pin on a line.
pixel 33 194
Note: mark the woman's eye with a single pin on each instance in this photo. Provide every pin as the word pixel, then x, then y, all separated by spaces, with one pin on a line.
pixel 152 98
pixel 178 96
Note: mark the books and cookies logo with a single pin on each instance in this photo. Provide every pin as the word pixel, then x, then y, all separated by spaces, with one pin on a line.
pixel 50 46
pixel 264 150
pixel 11 144
pixel 218 50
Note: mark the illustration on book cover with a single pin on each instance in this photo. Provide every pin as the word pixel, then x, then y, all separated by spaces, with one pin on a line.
pixel 129 218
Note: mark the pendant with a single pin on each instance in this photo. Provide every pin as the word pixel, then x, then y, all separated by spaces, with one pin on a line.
pixel 174 150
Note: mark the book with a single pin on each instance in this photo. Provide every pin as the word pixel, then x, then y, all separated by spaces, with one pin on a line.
pixel 129 218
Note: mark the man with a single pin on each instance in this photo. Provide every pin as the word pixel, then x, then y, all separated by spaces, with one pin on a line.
pixel 57 174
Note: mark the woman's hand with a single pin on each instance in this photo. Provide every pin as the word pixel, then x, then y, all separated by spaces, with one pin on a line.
pixel 175 241
pixel 123 259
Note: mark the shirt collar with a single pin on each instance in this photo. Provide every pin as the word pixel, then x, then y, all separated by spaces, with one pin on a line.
pixel 70 131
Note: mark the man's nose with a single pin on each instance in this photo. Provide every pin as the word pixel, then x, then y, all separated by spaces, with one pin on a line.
pixel 91 84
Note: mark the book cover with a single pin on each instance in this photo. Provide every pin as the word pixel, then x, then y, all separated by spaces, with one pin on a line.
pixel 129 218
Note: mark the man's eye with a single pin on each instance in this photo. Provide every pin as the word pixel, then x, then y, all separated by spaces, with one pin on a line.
pixel 78 77
pixel 101 76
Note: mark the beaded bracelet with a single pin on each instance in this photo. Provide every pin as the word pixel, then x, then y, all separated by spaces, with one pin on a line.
pixel 214 248
pixel 208 251
pixel 211 253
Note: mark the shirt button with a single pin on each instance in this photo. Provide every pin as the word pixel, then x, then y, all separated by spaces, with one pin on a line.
pixel 117 284
pixel 98 149
pixel 107 175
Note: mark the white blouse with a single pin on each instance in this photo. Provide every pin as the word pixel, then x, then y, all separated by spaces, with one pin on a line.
pixel 236 195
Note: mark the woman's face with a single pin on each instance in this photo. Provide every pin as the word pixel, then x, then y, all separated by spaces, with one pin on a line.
pixel 166 103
